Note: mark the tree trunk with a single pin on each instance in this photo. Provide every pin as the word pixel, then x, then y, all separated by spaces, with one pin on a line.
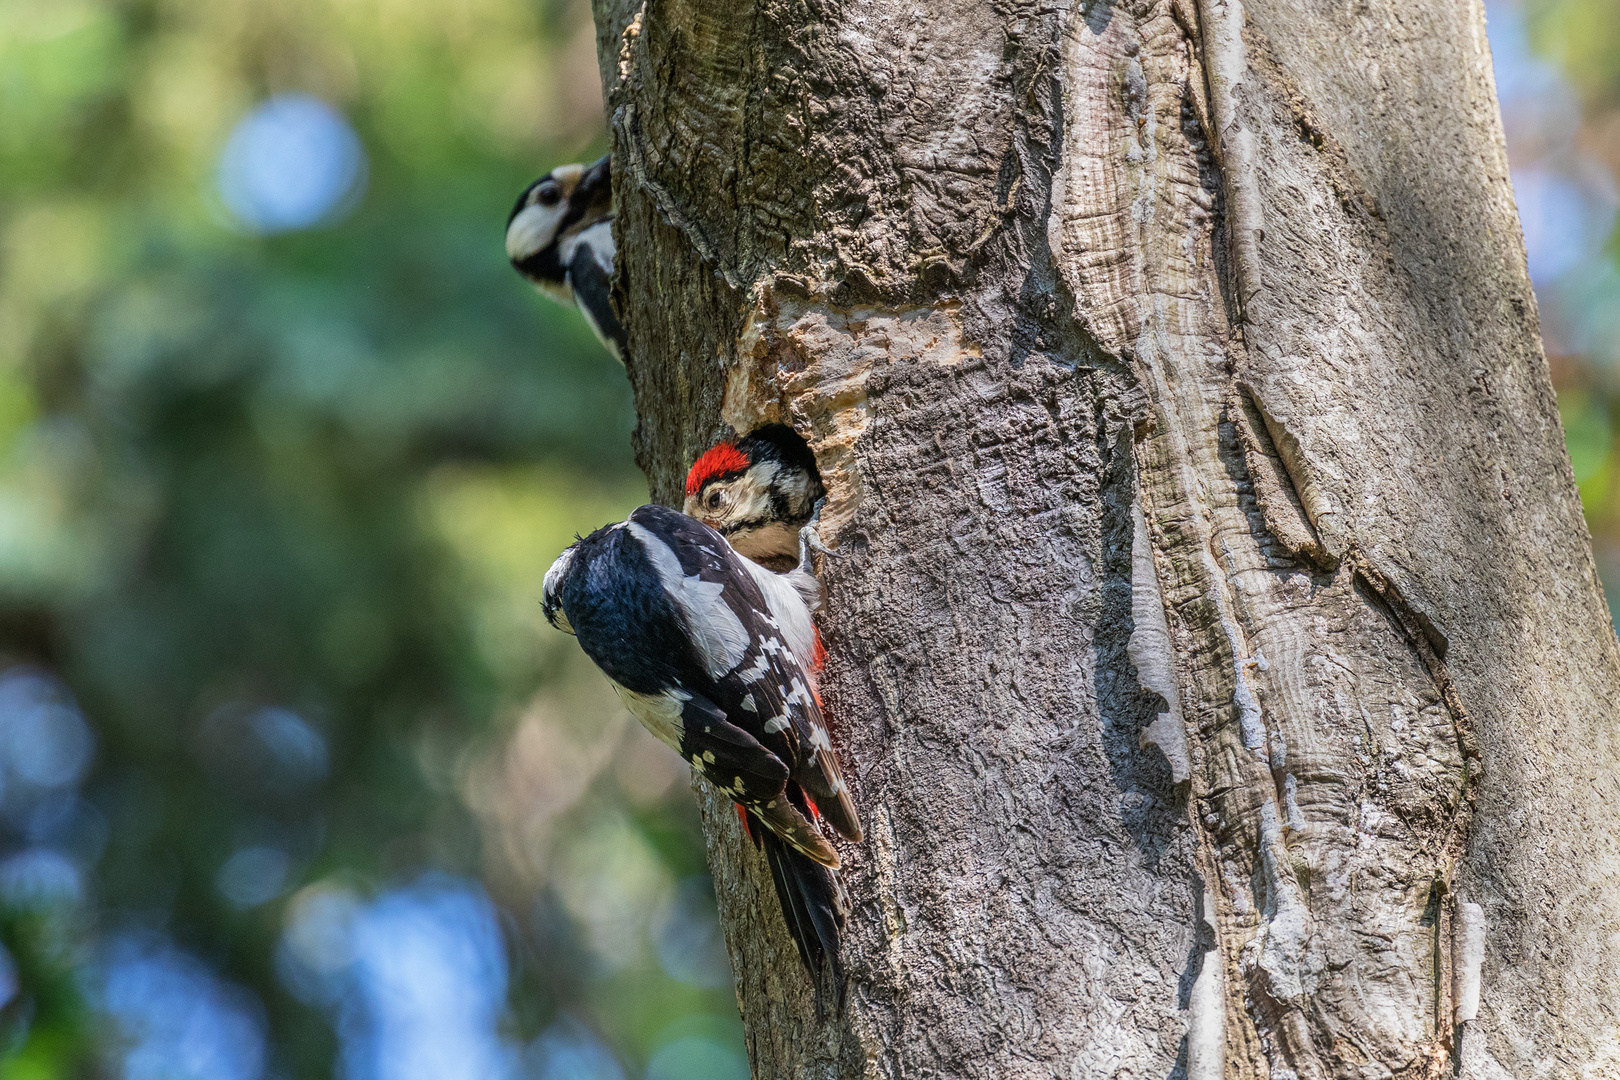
pixel 1215 646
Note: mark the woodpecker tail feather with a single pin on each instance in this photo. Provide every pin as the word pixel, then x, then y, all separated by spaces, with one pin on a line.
pixel 839 809
pixel 814 906
pixel 788 822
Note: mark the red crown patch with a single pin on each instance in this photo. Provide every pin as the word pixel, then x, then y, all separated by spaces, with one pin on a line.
pixel 720 459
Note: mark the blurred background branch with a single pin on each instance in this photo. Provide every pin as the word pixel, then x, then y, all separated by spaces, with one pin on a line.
pixel 293 780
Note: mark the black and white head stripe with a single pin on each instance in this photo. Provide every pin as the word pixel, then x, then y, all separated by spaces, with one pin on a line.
pixel 560 237
pixel 757 491
pixel 564 202
pixel 708 663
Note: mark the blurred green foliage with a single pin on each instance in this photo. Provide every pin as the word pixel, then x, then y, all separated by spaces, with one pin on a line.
pixel 320 472
pixel 1570 125
pixel 1583 38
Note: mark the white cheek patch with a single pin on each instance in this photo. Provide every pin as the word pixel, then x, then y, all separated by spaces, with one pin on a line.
pixel 718 633
pixel 754 498
pixel 533 230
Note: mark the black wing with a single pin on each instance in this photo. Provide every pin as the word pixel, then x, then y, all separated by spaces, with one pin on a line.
pixel 592 281
pixel 762 689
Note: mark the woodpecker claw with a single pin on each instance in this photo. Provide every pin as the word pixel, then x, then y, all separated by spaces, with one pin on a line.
pixel 810 539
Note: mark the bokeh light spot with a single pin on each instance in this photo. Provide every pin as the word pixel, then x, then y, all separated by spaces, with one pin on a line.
pixel 686 934
pixel 1566 220
pixel 431 972
pixel 181 1022
pixel 568 1051
pixel 44 740
pixel 696 1057
pixel 262 750
pixel 40 878
pixel 291 163
pixel 253 876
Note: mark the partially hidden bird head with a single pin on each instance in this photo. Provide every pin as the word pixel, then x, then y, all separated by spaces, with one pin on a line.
pixel 551 590
pixel 561 203
pixel 758 492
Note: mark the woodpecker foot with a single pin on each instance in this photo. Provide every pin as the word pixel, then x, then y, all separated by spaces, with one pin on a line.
pixel 810 540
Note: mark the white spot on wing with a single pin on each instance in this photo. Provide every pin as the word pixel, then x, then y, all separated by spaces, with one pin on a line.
pixel 747 704
pixel 775 724
pixel 718 633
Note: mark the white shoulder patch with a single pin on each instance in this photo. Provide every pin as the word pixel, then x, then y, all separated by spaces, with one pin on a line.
pixel 789 611
pixel 719 634
pixel 598 240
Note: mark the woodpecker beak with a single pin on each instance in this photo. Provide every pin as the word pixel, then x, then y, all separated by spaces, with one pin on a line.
pixel 549 602
pixel 557 617
pixel 596 183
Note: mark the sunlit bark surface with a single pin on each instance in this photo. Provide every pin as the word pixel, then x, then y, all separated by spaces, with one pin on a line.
pixel 1215 646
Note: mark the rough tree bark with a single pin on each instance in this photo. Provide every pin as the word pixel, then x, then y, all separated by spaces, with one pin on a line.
pixel 1215 645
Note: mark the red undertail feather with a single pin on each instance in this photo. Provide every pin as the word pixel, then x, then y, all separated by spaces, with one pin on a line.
pixel 718 460
pixel 742 816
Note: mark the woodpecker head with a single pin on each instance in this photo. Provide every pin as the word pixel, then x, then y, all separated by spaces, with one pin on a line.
pixel 551 600
pixel 757 492
pixel 559 205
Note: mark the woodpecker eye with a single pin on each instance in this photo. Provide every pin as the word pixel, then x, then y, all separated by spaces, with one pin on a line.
pixel 548 195
pixel 715 499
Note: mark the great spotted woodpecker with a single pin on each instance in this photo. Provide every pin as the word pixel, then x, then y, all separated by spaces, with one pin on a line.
pixel 708 651
pixel 758 492
pixel 560 237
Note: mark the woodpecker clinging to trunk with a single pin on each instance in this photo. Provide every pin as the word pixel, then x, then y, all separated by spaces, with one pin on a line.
pixel 758 492
pixel 711 653
pixel 560 237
